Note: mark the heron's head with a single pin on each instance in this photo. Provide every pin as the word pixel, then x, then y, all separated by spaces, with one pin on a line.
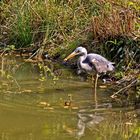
pixel 80 51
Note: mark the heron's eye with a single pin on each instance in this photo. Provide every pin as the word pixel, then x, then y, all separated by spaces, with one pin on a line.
pixel 77 51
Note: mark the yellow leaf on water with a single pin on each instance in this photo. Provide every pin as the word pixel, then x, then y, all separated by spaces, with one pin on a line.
pixel 43 103
pixel 103 86
pixel 27 91
pixel 49 108
pixel 66 107
pixel 129 123
pixel 5 84
pixel 75 107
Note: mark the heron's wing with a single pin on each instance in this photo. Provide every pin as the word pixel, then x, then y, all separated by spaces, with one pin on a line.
pixel 100 67
pixel 101 64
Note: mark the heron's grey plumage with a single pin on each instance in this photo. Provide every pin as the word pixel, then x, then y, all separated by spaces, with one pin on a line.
pixel 93 62
pixel 101 64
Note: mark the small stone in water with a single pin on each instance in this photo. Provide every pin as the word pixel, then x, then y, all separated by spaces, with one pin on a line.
pixel 67 103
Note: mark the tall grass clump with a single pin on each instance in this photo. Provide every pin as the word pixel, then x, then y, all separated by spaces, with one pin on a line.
pixel 16 23
pixel 117 29
pixel 115 19
pixel 47 23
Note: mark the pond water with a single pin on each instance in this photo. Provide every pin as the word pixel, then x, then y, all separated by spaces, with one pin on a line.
pixel 36 108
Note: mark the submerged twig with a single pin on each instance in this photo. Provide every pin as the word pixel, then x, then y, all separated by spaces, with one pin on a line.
pixel 19 87
pixel 128 86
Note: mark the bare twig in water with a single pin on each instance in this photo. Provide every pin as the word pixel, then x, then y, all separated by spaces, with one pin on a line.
pixel 125 88
pixel 17 83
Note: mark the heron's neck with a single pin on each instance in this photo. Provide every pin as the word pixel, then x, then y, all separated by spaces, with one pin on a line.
pixel 82 58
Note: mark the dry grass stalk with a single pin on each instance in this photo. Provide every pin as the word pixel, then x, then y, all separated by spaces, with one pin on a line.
pixel 115 23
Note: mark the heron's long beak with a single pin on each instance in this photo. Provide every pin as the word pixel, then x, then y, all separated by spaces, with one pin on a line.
pixel 70 56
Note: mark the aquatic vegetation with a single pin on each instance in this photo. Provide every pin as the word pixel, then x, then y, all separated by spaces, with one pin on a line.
pixel 46 72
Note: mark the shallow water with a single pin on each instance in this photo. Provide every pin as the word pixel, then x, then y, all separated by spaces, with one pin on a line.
pixel 65 109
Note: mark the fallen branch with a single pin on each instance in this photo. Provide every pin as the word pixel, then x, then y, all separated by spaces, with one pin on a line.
pixel 122 89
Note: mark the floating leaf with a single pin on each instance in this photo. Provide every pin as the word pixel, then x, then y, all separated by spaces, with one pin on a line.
pixel 103 86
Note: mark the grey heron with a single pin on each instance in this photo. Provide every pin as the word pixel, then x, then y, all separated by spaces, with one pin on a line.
pixel 91 63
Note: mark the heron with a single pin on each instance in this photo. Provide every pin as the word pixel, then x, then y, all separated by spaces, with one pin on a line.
pixel 91 63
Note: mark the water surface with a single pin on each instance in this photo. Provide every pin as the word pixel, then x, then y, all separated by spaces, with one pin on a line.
pixel 35 109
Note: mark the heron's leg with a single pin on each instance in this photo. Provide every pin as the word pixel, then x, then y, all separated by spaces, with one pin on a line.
pixel 95 84
pixel 95 89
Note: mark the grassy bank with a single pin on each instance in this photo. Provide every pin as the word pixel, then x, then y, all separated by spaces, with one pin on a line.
pixel 59 26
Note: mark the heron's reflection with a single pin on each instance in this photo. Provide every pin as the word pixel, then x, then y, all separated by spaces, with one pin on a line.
pixel 87 120
pixel 88 117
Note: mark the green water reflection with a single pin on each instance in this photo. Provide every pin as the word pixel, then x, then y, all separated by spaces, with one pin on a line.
pixel 35 110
